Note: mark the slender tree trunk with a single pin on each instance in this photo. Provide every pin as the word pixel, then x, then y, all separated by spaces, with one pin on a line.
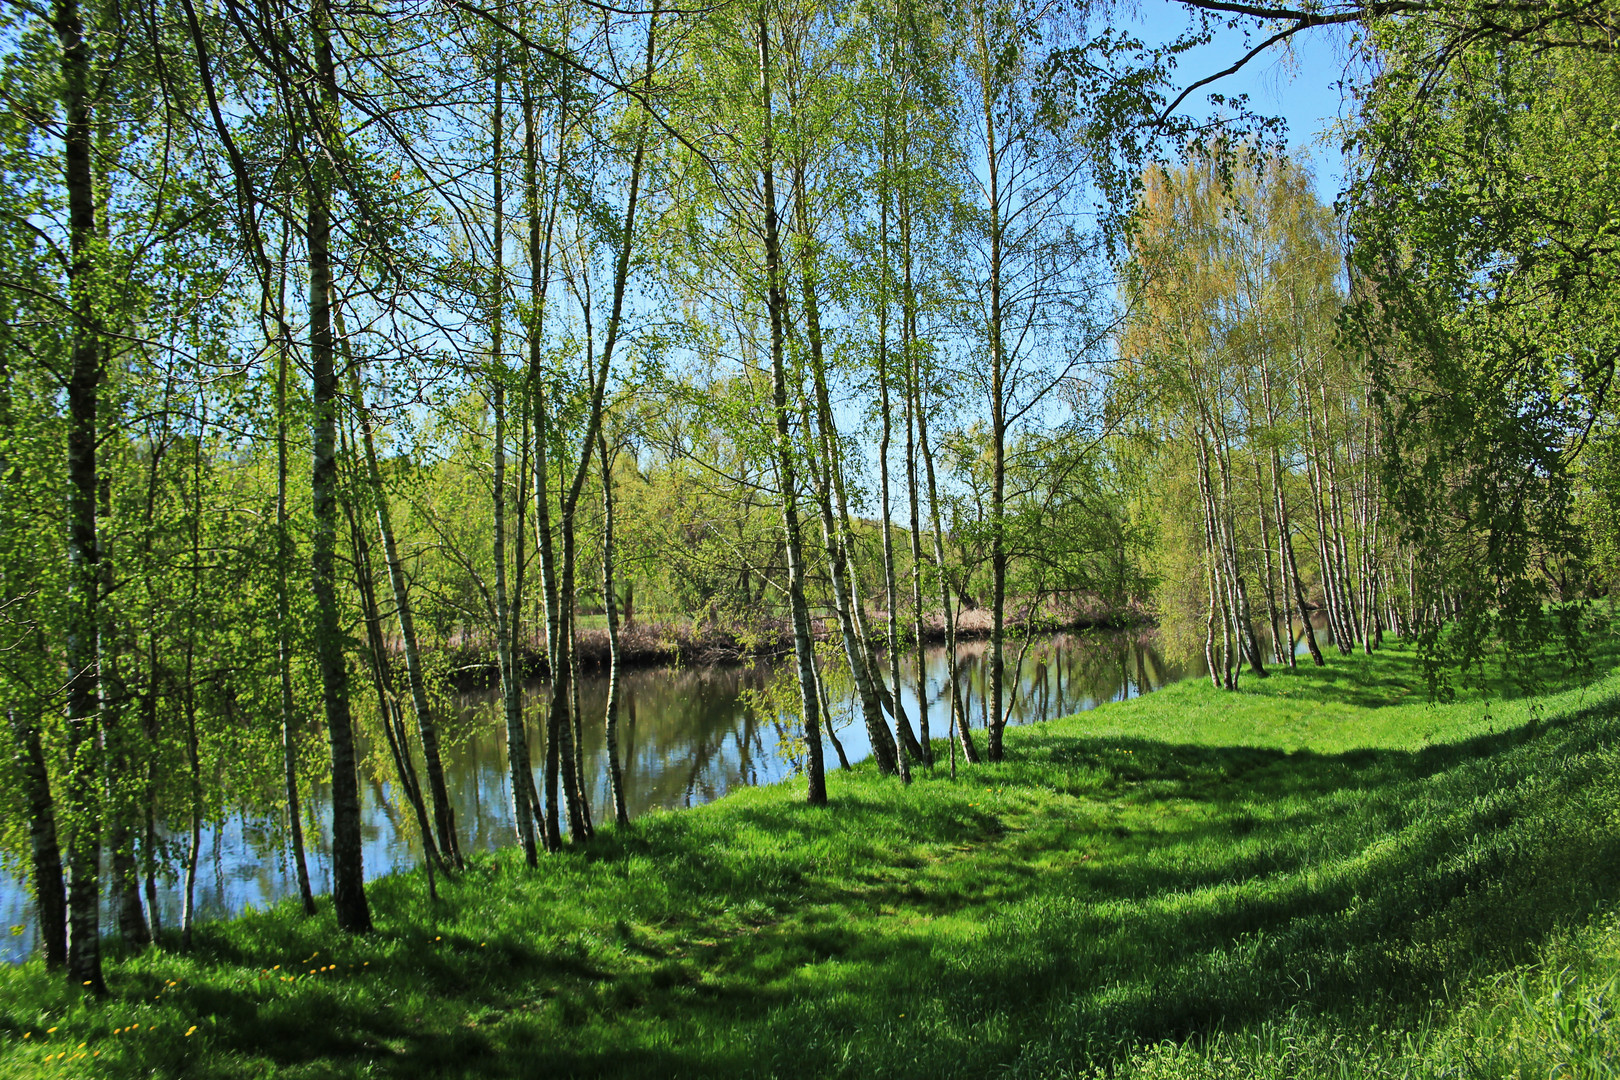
pixel 45 857
pixel 1212 653
pixel 884 745
pixel 1241 610
pixel 348 874
pixel 803 643
pixel 149 725
pixel 188 910
pixel 123 791
pixel 958 712
pixel 1285 531
pixel 1326 564
pixel 574 700
pixel 1335 511
pixel 913 500
pixel 284 557
pixel 1281 643
pixel 506 613
pixel 1299 588
pixel 444 814
pixel 44 854
pixel 540 236
pixel 827 720
pixel 908 743
pixel 82 808
pixel 564 722
pixel 621 814
pixel 388 710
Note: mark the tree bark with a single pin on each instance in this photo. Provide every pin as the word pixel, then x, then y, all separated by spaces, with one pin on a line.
pixel 803 643
pixel 388 712
pixel 444 814
pixel 960 733
pixel 540 236
pixel 82 808
pixel 621 813
pixel 506 613
pixel 45 857
pixel 284 557
pixel 1285 531
pixel 348 873
pixel 846 598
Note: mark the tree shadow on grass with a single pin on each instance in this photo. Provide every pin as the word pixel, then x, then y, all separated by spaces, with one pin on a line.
pixel 1395 675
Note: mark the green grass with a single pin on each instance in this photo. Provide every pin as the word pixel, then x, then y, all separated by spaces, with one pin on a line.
pixel 1322 876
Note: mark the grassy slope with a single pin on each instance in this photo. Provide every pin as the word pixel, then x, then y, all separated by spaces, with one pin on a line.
pixel 1323 876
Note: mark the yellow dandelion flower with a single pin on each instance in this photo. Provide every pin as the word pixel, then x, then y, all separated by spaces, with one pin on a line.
pixel 50 1031
pixel 191 1029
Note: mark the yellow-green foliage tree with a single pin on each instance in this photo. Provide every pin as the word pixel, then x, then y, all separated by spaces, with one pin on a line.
pixel 1257 419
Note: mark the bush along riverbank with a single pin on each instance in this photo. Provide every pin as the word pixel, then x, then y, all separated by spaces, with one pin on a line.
pixel 1322 876
pixel 664 642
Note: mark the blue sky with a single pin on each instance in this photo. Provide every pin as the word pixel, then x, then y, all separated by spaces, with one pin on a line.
pixel 1298 83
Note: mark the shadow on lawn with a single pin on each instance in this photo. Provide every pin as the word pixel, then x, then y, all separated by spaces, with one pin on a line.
pixel 1395 676
pixel 1196 887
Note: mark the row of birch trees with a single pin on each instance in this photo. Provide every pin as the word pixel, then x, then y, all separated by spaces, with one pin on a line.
pixel 1267 454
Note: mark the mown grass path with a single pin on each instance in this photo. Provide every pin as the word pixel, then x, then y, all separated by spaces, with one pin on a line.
pixel 1322 875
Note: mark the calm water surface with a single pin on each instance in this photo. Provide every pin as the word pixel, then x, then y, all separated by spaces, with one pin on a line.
pixel 687 736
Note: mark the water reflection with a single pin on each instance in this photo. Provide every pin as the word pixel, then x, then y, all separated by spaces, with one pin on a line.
pixel 687 737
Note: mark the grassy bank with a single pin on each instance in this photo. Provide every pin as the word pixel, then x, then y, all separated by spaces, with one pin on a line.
pixel 1322 876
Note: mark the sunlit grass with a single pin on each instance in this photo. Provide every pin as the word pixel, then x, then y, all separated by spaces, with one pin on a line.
pixel 1320 876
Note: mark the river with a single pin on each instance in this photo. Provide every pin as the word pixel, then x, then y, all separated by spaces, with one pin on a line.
pixel 688 736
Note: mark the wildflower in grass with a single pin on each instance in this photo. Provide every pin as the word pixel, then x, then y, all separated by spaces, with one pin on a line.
pixel 191 1029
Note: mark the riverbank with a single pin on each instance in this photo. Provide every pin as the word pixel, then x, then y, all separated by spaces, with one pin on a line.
pixel 665 642
pixel 1320 876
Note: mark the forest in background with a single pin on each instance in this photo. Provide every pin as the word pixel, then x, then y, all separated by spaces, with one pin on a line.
pixel 340 340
